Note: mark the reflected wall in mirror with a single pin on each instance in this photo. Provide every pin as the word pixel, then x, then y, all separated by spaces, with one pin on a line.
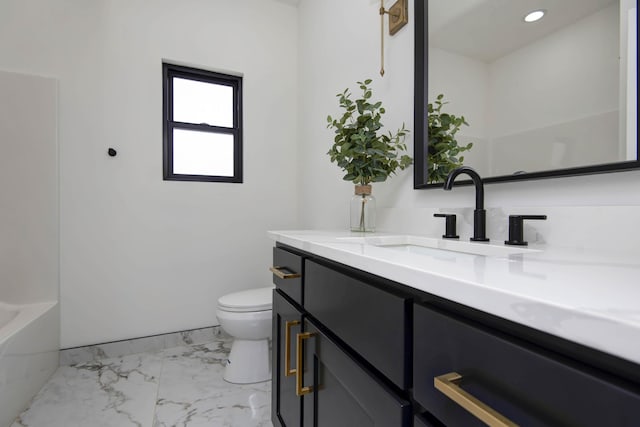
pixel 549 98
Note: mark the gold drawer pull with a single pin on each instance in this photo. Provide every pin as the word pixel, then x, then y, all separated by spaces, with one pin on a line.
pixel 287 344
pixel 300 390
pixel 281 274
pixel 447 384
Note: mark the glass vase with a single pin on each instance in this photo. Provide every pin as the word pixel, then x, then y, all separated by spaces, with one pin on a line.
pixel 363 209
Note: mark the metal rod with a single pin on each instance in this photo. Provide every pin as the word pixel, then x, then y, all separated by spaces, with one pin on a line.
pixel 382 12
pixel 300 389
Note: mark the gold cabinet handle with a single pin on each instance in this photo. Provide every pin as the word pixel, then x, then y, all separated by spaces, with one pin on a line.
pixel 300 390
pixel 281 274
pixel 447 384
pixel 287 344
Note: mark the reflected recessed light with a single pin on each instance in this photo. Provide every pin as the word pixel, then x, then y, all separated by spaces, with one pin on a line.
pixel 535 15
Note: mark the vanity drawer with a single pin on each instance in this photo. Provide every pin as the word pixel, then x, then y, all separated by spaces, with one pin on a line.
pixel 373 322
pixel 524 383
pixel 287 273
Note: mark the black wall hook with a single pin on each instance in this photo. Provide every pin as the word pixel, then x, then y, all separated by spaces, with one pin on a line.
pixel 111 152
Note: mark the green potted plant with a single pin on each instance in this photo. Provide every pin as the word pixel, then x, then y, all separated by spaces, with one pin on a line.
pixel 364 152
pixel 443 150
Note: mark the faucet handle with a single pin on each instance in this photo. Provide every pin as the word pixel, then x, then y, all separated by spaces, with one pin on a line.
pixel 516 229
pixel 450 225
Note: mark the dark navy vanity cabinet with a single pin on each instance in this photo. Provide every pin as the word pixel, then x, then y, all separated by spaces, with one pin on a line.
pixel 353 349
pixel 341 354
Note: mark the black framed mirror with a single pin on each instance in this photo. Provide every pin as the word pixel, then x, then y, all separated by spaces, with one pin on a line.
pixel 585 52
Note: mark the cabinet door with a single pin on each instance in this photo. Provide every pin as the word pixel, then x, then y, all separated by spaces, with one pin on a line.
pixel 522 382
pixel 343 393
pixel 285 405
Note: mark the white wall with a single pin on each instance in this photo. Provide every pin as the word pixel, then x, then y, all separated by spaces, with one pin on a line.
pixel 140 255
pixel 337 49
pixel 29 238
pixel 551 74
pixel 567 124
pixel 465 84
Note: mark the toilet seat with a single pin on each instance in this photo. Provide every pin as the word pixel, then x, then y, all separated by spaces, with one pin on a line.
pixel 260 299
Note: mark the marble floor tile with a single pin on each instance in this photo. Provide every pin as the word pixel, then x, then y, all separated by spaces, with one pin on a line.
pixel 239 405
pixel 202 363
pixel 74 356
pixel 177 387
pixel 110 393
pixel 193 393
pixel 195 336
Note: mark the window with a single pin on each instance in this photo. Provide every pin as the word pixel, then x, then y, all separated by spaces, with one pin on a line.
pixel 202 121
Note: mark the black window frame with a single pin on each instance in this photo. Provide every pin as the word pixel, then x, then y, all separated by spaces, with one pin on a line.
pixel 169 71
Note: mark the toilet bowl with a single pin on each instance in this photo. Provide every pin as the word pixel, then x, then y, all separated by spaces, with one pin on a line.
pixel 246 317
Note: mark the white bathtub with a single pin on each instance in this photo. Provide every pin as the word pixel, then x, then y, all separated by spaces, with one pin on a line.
pixel 29 347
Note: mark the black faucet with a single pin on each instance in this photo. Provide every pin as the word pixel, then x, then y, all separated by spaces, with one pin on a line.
pixel 479 214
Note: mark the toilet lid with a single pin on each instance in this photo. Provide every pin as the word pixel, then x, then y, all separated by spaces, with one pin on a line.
pixel 259 299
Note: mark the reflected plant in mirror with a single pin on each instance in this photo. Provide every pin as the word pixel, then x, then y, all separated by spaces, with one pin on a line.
pixel 443 154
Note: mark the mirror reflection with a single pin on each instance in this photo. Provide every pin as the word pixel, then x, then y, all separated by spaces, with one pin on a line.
pixel 553 94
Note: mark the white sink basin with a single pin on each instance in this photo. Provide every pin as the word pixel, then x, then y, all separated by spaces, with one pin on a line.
pixel 431 246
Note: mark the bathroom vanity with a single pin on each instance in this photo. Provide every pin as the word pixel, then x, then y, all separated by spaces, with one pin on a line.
pixel 395 331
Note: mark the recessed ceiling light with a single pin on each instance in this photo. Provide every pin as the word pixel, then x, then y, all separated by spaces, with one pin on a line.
pixel 535 15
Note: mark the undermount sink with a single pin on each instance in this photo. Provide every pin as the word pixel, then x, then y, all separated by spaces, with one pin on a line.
pixel 431 246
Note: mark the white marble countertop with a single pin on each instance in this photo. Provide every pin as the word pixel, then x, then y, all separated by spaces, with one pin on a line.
pixel 592 298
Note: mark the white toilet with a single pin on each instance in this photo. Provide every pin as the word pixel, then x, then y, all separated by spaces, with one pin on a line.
pixel 246 316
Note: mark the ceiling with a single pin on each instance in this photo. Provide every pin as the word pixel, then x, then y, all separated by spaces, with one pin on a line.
pixel 489 29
